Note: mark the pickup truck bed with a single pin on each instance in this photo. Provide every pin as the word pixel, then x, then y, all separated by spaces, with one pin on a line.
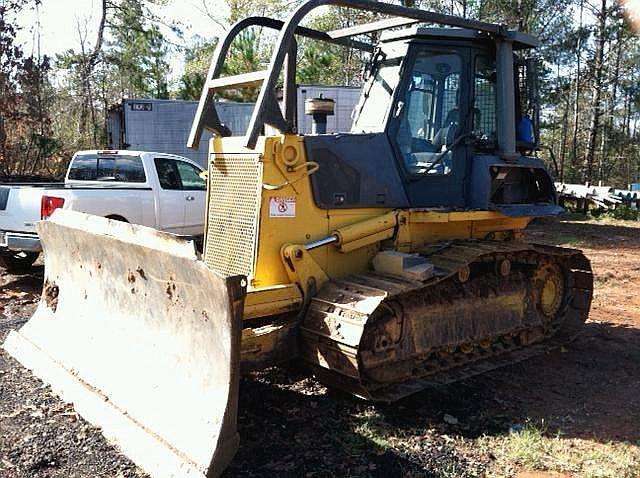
pixel 20 207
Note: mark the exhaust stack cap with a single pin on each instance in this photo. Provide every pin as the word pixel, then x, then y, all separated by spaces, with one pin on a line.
pixel 319 108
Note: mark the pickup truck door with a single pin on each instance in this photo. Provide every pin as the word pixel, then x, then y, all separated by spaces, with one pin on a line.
pixel 171 201
pixel 194 188
pixel 181 197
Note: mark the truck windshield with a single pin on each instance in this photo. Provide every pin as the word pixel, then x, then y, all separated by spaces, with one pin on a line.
pixel 112 168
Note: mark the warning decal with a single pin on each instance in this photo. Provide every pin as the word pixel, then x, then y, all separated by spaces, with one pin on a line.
pixel 282 207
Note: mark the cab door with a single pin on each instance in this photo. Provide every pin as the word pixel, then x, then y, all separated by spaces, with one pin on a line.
pixel 428 124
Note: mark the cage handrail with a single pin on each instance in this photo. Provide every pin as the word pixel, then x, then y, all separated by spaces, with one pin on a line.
pixel 267 110
pixel 206 114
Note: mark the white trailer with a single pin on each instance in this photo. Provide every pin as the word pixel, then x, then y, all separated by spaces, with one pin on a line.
pixel 163 125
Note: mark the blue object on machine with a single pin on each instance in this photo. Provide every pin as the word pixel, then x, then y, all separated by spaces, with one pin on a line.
pixel 525 130
pixel 635 186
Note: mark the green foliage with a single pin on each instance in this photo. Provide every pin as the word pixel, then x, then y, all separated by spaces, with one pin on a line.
pixel 129 59
pixel 624 213
pixel 138 51
pixel 26 136
pixel 239 9
pixel 533 448
pixel 321 63
pixel 316 64
pixel 245 55
pixel 197 59
pixel 132 61
pixel 191 85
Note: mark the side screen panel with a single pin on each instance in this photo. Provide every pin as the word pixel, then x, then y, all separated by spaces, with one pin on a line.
pixel 356 170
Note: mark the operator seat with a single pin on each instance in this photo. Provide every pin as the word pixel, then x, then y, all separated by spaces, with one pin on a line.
pixel 447 133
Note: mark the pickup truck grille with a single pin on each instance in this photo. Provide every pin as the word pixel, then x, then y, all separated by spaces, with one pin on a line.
pixel 235 182
pixel 4 197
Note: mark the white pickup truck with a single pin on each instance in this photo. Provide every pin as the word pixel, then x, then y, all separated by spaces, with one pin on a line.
pixel 158 190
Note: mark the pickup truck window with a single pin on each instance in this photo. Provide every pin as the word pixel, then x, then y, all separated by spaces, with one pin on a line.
pixel 190 177
pixel 178 175
pixel 120 168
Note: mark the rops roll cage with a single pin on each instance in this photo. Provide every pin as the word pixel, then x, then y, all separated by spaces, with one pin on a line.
pixel 267 109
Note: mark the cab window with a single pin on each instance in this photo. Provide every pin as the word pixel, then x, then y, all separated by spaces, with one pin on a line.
pixel 84 168
pixel 190 177
pixel 429 115
pixel 378 93
pixel 484 102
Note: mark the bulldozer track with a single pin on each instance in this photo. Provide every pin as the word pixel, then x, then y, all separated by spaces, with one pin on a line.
pixel 385 337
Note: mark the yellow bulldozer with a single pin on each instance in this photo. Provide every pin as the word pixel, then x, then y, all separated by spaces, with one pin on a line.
pixel 385 259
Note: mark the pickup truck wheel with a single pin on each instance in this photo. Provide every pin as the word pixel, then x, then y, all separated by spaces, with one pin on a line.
pixel 17 262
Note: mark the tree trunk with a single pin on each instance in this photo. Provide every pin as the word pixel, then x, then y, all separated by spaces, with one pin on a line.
pixel 596 98
pixel 607 127
pixel 563 143
pixel 576 98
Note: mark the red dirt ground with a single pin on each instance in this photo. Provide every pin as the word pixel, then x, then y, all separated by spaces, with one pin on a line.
pixel 591 389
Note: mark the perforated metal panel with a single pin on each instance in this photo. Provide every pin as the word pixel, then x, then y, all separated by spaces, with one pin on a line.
pixel 234 205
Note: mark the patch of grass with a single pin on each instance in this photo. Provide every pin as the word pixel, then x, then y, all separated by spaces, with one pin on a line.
pixel 624 213
pixel 568 239
pixel 420 449
pixel 533 449
pixel 575 216
pixel 604 278
pixel 371 427
pixel 610 220
pixel 613 460
pixel 528 447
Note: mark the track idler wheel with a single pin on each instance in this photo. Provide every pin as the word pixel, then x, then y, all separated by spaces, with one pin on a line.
pixel 549 289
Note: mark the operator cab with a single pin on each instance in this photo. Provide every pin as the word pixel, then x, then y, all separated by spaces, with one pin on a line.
pixel 429 110
pixel 447 120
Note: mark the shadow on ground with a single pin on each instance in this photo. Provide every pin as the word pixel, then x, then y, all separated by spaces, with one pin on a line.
pixel 29 283
pixel 588 389
pixel 292 425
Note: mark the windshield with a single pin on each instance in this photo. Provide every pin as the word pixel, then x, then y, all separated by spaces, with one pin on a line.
pixel 376 98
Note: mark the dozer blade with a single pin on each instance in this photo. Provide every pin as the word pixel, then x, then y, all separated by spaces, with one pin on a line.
pixel 142 338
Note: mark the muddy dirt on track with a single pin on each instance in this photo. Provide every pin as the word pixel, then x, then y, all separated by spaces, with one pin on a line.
pixel 290 425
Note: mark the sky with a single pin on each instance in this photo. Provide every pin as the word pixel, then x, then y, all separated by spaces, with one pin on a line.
pixel 633 7
pixel 57 21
